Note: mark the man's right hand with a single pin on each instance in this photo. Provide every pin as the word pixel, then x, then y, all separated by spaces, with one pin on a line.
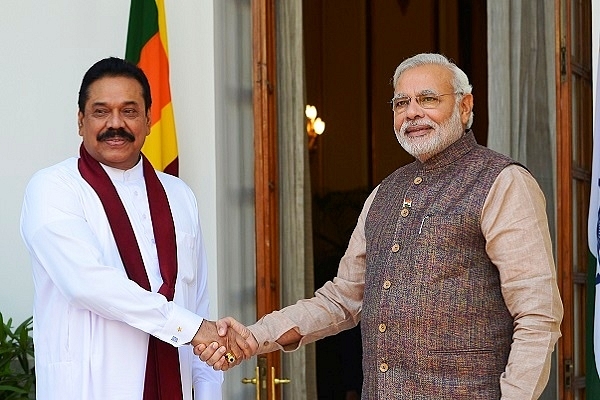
pixel 213 354
pixel 224 341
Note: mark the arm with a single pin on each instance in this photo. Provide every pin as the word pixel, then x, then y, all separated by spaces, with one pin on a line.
pixel 335 307
pixel 75 259
pixel 515 225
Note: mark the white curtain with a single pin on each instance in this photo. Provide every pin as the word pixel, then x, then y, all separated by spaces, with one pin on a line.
pixel 295 196
pixel 522 93
pixel 522 98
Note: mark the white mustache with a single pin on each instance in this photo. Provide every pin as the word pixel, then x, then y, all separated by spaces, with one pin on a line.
pixel 418 122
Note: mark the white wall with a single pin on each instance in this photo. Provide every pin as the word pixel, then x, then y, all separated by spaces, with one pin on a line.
pixel 47 46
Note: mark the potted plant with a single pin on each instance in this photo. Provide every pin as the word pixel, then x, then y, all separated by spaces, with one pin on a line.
pixel 17 373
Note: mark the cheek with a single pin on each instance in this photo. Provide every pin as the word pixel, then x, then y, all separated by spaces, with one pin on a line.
pixel 398 121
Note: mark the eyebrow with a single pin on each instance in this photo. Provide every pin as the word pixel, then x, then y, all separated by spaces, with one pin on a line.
pixel 105 104
pixel 422 92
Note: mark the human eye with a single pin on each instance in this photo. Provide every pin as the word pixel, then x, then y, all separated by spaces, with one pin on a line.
pixel 100 112
pixel 130 112
pixel 400 103
pixel 428 100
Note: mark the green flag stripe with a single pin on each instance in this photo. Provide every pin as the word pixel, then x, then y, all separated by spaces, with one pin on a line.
pixel 143 24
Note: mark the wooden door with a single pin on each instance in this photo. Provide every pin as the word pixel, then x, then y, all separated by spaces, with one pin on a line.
pixel 266 187
pixel 574 156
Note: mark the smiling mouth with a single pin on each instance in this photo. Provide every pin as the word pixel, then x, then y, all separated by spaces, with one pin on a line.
pixel 418 130
pixel 116 141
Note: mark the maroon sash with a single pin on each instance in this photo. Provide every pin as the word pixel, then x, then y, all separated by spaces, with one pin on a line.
pixel 163 379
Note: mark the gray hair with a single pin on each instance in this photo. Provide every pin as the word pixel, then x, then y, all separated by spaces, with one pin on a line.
pixel 460 83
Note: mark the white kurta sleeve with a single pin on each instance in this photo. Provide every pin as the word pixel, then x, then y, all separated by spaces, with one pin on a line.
pixel 56 225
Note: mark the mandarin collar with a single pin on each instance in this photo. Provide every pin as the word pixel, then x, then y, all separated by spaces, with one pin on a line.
pixel 450 154
pixel 125 175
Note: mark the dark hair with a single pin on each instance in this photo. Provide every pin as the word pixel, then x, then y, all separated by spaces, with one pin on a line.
pixel 113 67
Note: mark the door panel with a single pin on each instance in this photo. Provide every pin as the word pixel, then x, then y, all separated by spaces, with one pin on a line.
pixel 574 146
pixel 266 187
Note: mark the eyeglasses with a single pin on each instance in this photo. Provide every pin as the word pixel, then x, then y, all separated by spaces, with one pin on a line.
pixel 429 100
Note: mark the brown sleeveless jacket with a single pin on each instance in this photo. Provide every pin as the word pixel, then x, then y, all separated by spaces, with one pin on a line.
pixel 434 323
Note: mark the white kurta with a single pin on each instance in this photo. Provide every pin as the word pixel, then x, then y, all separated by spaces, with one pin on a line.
pixel 90 322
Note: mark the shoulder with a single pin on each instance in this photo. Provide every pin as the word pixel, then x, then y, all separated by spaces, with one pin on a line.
pixel 63 173
pixel 171 182
pixel 492 156
pixel 176 188
pixel 516 175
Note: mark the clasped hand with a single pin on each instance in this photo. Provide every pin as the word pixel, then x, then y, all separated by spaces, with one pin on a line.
pixel 237 342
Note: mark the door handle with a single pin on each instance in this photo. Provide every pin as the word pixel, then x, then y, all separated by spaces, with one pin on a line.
pixel 254 381
pixel 260 378
pixel 276 381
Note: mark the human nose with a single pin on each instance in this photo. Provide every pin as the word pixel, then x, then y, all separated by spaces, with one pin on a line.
pixel 115 120
pixel 414 109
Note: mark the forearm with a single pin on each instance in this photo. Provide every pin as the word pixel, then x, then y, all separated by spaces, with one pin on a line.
pixel 528 366
pixel 335 307
pixel 537 309
pixel 328 313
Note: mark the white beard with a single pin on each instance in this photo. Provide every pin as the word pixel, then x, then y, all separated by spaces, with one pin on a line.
pixel 424 147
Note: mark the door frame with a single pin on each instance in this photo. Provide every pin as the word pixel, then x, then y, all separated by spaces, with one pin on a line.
pixel 573 144
pixel 268 281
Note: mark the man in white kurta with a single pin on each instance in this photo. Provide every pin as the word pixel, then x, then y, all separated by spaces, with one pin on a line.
pixel 91 323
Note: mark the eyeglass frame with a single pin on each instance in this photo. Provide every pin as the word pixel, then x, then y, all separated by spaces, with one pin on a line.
pixel 417 99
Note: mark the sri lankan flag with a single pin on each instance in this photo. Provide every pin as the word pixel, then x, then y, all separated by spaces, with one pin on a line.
pixel 147 47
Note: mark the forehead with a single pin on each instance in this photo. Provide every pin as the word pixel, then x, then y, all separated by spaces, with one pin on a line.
pixel 115 89
pixel 428 77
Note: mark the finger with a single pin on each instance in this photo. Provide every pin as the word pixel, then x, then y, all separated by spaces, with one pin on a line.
pixel 212 354
pixel 223 324
pixel 199 349
pixel 237 345
pixel 244 340
pixel 221 365
pixel 249 345
pixel 204 352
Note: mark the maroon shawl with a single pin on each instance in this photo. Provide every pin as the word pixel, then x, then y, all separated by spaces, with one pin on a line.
pixel 163 379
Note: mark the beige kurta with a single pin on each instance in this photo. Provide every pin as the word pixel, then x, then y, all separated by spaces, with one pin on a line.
pixel 527 276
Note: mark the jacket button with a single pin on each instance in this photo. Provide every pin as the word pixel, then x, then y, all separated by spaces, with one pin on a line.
pixel 395 247
pixel 387 284
pixel 382 328
pixel 418 180
pixel 383 367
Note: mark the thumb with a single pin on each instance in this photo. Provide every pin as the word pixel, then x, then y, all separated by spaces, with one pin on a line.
pixel 222 326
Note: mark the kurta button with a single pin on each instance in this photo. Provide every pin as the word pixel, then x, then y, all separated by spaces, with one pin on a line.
pixel 395 247
pixel 404 212
pixel 418 180
pixel 382 328
pixel 383 367
pixel 387 284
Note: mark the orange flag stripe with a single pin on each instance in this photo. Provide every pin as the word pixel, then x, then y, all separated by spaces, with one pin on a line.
pixel 154 62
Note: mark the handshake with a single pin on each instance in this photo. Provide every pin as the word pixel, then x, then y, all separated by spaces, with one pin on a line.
pixel 224 344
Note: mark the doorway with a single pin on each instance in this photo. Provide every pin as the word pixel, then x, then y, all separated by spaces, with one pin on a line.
pixel 351 52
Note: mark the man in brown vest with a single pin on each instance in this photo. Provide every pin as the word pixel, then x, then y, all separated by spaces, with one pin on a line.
pixel 449 269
